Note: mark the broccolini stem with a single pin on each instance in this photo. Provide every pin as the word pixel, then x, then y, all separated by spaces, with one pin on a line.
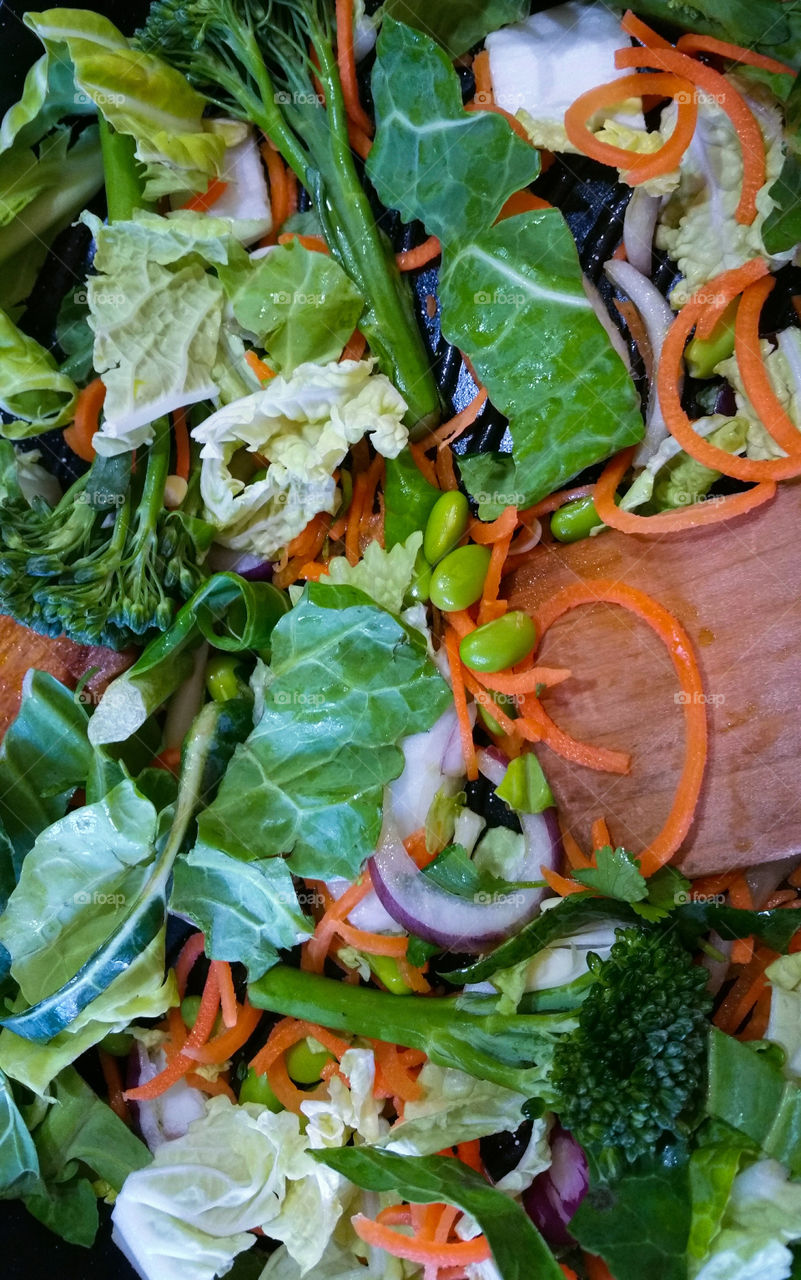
pixel 158 464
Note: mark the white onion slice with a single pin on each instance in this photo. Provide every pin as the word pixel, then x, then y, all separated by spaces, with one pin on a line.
pixel 657 318
pixel 599 307
pixel 639 223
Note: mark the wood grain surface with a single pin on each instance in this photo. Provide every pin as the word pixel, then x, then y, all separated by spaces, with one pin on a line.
pixel 737 589
pixel 21 650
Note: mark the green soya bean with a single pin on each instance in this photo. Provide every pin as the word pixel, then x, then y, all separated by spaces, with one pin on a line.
pixel 117 1043
pixel 420 585
pixel 499 644
pixel 506 703
pixel 703 354
pixel 305 1064
pixel 256 1088
pixel 446 525
pixel 458 580
pixel 575 520
pixel 190 1007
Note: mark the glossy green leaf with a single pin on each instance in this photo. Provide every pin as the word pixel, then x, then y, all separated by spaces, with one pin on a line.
pixel 713 1167
pixel 457 24
pixel 299 304
pixel 761 25
pixel 747 1090
pixel 347 681
pixel 19 1163
pixel 248 910
pixel 408 497
pixel 431 159
pixel 518 1249
pixel 31 386
pixel 513 301
pixel 781 229
pixel 615 875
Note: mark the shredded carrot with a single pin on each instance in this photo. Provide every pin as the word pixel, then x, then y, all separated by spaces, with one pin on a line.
pixel 424 464
pixel 728 99
pixel 352 548
pixel 556 500
pixel 227 994
pixel 395 1073
pixel 637 166
pixel 374 944
pixel 223 1046
pixel 781 898
pixel 597 1268
pixel 484 700
pixel 182 453
pixel 310 540
pixel 315 244
pixel 470 1154
pixel 181 1063
pixel 460 703
pixel 115 1096
pixel 446 472
pixel 742 997
pixel 491 607
pixel 204 200
pixel 568 1272
pixel 691 43
pixel 456 426
pixel 413 977
pixel 714 298
pixel 679 646
pixel 706 511
pixel 420 256
pixel 742 951
pixel 600 834
pixel 639 333
pixel 169 759
pixel 372 478
pixel 535 725
pixel 270 1059
pixel 189 954
pixel 680 426
pixel 523 682
pixel 758 1023
pixel 634 26
pixel 87 420
pixel 488 532
pixel 463 1253
pixel 212 1087
pixel 512 121
pixel 710 886
pixel 483 78
pixel 355 346
pixel 346 61
pixel 756 379
pixel 262 371
pixel 316 949
pixel 560 885
pixel 740 894
pixel 280 195
pixel 522 202
pixel 575 855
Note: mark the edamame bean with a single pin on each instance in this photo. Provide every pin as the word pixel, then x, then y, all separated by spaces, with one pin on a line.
pixel 506 703
pixel 221 678
pixel 458 580
pixel 256 1088
pixel 305 1064
pixel 575 520
pixel 446 525
pixel 703 354
pixel 499 644
pixel 420 587
pixel 190 1007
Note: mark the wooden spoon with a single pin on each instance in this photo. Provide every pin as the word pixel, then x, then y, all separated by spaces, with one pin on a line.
pixel 736 587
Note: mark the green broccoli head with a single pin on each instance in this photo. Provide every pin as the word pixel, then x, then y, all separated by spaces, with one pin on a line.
pixel 633 1069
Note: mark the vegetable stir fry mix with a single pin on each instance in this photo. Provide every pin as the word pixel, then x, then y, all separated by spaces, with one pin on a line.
pixel 300 974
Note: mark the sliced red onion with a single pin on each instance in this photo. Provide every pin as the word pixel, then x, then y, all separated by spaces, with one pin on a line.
pixel 599 307
pixel 541 830
pixel 717 969
pixel 430 758
pixel 639 223
pixel 555 1195
pixel 526 540
pixel 493 764
pixel 657 318
pixel 367 914
pixel 168 1116
pixel 245 563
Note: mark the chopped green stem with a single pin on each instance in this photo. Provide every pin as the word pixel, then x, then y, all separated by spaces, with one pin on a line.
pixel 122 174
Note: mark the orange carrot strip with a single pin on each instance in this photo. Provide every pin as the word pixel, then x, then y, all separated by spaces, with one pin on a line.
pixel 221 1047
pixel 679 646
pixel 512 121
pixel 460 703
pixel 346 62
pixel 710 886
pixel 756 379
pixel 758 1022
pixel 373 477
pixel 634 26
pixel 600 834
pixel 412 976
pixel 470 1154
pixel 742 951
pixel 424 464
pixel 446 473
pixel 726 287
pixel 456 426
pixel 355 346
pixel 279 186
pixel 360 141
pixel 212 1087
pixel 639 333
pixel 420 256
pixel 728 99
pixel 691 43
pixel 87 420
pixel 182 453
pixel 316 949
pixel 597 1268
pixel 508 726
pixel 546 505
pixel 491 607
pixel 707 511
pixel 638 167
pixel 395 1073
pixel 485 533
pixel 113 1080
pixel 352 548
pixel 522 202
pixel 463 1253
pixel 740 894
pixel 315 244
pixel 270 1059
pixel 729 1018
pixel 310 540
pixel 780 899
pixel 573 852
pixel 375 944
pixel 190 952
pixel 262 371
pixel 227 994
pixel 537 726
pixel 483 78
pixel 560 884
pixel 526 682
pixel 568 1272
pixel 181 1064
pixel 205 199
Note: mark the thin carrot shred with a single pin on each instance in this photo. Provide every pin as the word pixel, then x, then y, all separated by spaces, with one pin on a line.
pixel 462 1253
pixel 727 286
pixel 637 166
pixel 756 379
pixel 692 43
pixel 223 1046
pixel 423 463
pixel 395 1074
pixel 270 1059
pixel 575 855
pixel 634 26
pixel 279 188
pixel 483 78
pixel 742 951
pixel 355 346
pixel 560 884
pixel 420 256
pixel 488 532
pixel 728 99
pixel 512 121
pixel 181 1063
pixel 262 371
pixel 374 944
pixel 190 952
pixel 228 1002
pixel 491 607
pixel 537 726
pixel 449 431
pixel 204 200
pixel 600 834
pixel 679 646
pixel 212 1087
pixel 113 1080
pixel 597 1268
pixel 446 472
pixel 707 511
pixel 460 703
pixel 524 682
pixel 315 244
pixel 346 62
pixel 182 451
pixel 556 500
pixel 522 202
pixel 87 420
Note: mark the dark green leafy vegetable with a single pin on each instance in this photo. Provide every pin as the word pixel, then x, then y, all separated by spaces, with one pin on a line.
pixel 761 25
pixel 518 1249
pixel 433 160
pixel 408 497
pixel 454 871
pixel 781 229
pixel 252 58
pixel 639 1224
pixel 457 24
pixel 747 1090
pixel 19 1163
pixel 614 875
pixel 75 337
pixel 347 681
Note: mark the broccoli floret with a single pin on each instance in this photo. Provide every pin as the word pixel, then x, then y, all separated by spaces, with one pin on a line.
pixel 633 1069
